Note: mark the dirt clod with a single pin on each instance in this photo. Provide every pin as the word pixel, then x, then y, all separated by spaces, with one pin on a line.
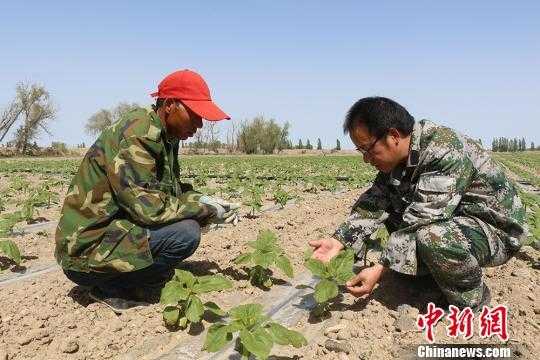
pixel 336 346
pixel 70 346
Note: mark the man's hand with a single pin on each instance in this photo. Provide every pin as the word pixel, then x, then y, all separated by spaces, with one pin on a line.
pixel 364 282
pixel 325 249
pixel 224 211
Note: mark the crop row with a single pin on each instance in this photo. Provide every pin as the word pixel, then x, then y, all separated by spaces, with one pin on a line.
pixel 257 332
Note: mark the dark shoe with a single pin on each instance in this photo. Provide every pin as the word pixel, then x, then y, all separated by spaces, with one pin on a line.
pixel 117 302
pixel 149 293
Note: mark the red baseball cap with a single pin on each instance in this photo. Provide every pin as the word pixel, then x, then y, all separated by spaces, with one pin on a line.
pixel 190 87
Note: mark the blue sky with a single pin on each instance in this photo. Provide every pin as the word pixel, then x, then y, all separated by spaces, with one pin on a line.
pixel 474 66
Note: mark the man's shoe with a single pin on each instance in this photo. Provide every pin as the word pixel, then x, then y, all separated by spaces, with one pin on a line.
pixel 149 293
pixel 117 303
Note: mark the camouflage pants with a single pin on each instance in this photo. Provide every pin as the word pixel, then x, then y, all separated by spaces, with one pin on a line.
pixel 454 252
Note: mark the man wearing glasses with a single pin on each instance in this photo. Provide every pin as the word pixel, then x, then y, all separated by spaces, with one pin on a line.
pixel 449 208
pixel 127 221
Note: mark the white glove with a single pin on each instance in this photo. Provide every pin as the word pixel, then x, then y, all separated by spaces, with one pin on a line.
pixel 225 212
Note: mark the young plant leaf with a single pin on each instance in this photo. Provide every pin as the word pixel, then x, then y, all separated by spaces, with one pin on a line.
pixel 308 254
pixel 266 253
pixel 182 323
pixel 11 251
pixel 325 290
pixel 283 336
pixel 242 259
pixel 258 342
pixel 257 334
pixel 341 266
pixel 214 308
pixel 248 314
pixel 284 264
pixel 172 293
pixel 171 314
pixel 263 259
pixel 185 277
pixel 183 304
pixel 209 283
pixel 194 309
pixel 317 267
pixel 216 338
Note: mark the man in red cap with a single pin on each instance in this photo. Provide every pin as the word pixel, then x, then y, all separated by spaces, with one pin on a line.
pixel 127 221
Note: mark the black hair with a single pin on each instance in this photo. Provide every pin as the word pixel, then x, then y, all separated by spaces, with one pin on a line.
pixel 379 114
pixel 159 103
pixel 162 101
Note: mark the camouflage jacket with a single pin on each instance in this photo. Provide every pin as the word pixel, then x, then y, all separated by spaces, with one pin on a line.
pixel 126 183
pixel 447 174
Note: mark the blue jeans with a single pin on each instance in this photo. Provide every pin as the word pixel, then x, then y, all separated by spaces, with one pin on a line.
pixel 169 245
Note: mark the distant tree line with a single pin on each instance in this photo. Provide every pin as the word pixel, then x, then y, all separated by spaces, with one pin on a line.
pixel 309 146
pixel 503 144
pixel 256 136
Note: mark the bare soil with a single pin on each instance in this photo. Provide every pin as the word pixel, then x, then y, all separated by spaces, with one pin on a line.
pixel 48 317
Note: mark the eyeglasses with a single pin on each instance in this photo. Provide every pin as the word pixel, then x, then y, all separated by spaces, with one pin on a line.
pixel 366 151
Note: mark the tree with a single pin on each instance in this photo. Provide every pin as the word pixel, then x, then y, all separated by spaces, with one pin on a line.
pixel 338 145
pixel 284 142
pixel 532 146
pixel 319 144
pixel 232 137
pixel 33 105
pixel 210 136
pixel 300 145
pixel 263 135
pixel 495 145
pixel 104 118
pixel 308 145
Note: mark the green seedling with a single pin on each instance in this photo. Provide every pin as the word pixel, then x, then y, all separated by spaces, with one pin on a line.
pixel 254 200
pixel 234 187
pixel 181 297
pixel 310 187
pixel 8 222
pixel 257 333
pixel 532 206
pixel 18 184
pixel 281 197
pixel 46 195
pixel 8 247
pixel 201 180
pixel 329 184
pixel 266 253
pixel 10 250
pixel 332 274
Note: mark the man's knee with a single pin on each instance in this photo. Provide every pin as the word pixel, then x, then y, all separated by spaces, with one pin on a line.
pixel 177 241
pixel 192 235
pixel 441 240
pixel 446 252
